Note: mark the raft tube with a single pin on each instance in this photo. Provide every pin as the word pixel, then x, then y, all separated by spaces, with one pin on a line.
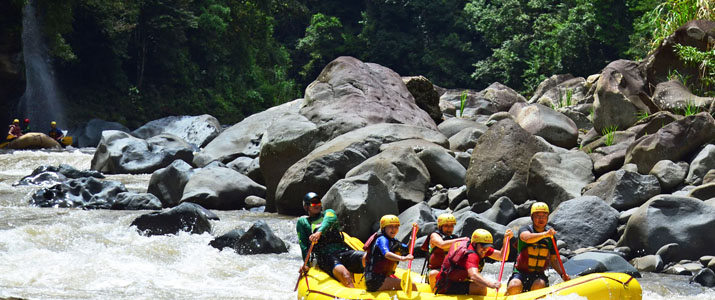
pixel 34 140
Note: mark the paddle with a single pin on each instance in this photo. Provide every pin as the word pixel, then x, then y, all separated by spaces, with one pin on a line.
pixel 305 263
pixel 556 248
pixel 406 279
pixel 504 256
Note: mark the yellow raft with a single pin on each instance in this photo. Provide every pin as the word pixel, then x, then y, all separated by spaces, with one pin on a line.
pixel 35 140
pixel 318 285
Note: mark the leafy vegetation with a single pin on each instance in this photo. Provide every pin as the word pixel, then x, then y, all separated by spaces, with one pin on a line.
pixel 462 103
pixel 609 132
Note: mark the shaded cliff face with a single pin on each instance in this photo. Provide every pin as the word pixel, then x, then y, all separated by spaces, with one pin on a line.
pixel 12 70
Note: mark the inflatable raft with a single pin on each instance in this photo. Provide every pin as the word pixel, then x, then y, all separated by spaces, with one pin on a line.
pixel 32 140
pixel 318 285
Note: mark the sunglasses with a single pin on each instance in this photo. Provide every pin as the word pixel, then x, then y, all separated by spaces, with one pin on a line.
pixel 315 204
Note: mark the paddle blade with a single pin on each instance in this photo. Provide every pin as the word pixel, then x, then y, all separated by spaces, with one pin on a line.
pixel 407 283
pixel 67 140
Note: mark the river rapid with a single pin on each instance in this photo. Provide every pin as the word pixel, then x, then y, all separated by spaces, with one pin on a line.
pixel 57 253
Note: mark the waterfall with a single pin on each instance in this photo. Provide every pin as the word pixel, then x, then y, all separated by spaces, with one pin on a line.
pixel 42 100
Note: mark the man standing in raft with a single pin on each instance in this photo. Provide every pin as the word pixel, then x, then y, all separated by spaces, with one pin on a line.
pixel 535 248
pixel 321 227
pixel 439 243
pixel 460 270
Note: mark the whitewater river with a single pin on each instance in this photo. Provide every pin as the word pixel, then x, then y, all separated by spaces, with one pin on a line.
pixel 48 253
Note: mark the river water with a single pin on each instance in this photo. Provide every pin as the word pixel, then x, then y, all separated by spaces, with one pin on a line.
pixel 56 253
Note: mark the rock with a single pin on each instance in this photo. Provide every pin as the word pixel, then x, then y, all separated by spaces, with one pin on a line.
pixel 494 118
pixel 228 239
pixel 254 201
pixel 120 153
pixel 582 120
pixel 189 217
pixel 673 96
pixel 648 263
pixel 452 126
pixel 492 174
pixel 421 214
pixel 474 105
pixel 448 109
pixel 705 277
pixel 195 130
pixel 443 168
pixel 703 192
pixel 666 219
pixel 89 134
pixel 360 202
pixel 548 86
pixel 243 138
pixel 669 174
pixel 464 158
pixel 467 138
pixel 674 141
pixel 468 221
pixel 545 122
pixel 438 200
pixel 220 188
pixel 456 195
pixel 240 164
pixel 677 270
pixel 502 212
pixel 705 260
pixel 502 96
pixel 556 177
pixel 620 95
pixel 136 201
pixel 625 215
pixel 653 123
pixel 51 175
pixel 597 262
pixel 701 164
pixel 668 252
pixel 168 183
pixel 329 163
pixel 426 97
pixel 518 223
pixel 584 214
pixel 609 158
pixel 568 92
pixel 85 192
pixel 624 190
pixel 709 177
pixel 350 94
pixel 260 239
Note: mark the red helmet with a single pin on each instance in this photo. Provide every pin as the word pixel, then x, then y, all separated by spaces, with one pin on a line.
pixel 27 120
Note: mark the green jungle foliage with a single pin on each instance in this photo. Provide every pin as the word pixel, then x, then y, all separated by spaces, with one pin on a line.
pixel 137 60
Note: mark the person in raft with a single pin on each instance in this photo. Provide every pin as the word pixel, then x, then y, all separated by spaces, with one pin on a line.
pixel 439 243
pixel 460 272
pixel 383 254
pixel 333 255
pixel 15 131
pixel 535 248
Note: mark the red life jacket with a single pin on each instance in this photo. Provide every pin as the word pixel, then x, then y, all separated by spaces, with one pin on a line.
pixel 376 262
pixel 436 256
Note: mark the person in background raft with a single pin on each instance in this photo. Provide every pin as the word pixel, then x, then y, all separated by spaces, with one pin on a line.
pixel 535 248
pixel 26 126
pixel 333 255
pixel 383 254
pixel 439 243
pixel 15 131
pixel 460 272
pixel 55 132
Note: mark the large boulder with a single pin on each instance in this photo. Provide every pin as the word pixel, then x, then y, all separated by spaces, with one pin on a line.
pixel 360 202
pixel 468 221
pixel 502 96
pixel 703 192
pixel 327 164
pixel 402 171
pixel 584 221
pixel 350 94
pixel 666 219
pixel 168 183
pixel 557 177
pixel 243 138
pixel 673 96
pixel 89 134
pixel 195 130
pixel 51 175
pixel 467 138
pixel 474 105
pixel 621 93
pixel 426 97
pixel 566 93
pixel 623 189
pixel 653 122
pixel 452 126
pixel 136 201
pixel 189 217
pixel 669 174
pixel 220 188
pixel 120 153
pixel 674 141
pixel 85 192
pixel 545 122
pixel 420 214
pixel 260 239
pixel 598 262
pixel 701 164
pixel 492 174
pixel 548 85
pixel 443 168
pixel 502 212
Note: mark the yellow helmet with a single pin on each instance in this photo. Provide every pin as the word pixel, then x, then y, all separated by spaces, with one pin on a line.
pixel 53 123
pixel 539 207
pixel 15 121
pixel 482 236
pixel 388 220
pixel 446 219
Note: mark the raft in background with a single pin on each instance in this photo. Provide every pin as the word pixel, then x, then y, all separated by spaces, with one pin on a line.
pixel 35 140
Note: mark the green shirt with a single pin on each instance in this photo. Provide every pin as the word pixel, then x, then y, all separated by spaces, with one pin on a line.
pixel 325 222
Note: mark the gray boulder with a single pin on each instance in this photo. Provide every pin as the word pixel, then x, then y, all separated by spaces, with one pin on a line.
pixel 705 277
pixel 220 188
pixel 426 97
pixel 187 217
pixel 228 239
pixel 443 168
pixel 89 134
pixel 666 219
pixel 503 211
pixel 588 214
pixel 668 253
pixel 701 164
pixel 259 239
pixel 598 262
pixel 468 221
pixel 673 96
pixel 327 164
pixel 350 94
pixel 709 177
pixel 84 192
pixel 545 122
pixel 475 104
pixel 653 122
pixel 502 96
pixel 360 202
pixel 467 138
pixel 703 192
pixel 548 85
pixel 674 141
pixel 168 183
pixel 624 189
pixel 120 153
pixel 136 201
pixel 195 130
pixel 557 177
pixel 420 214
pixel 648 263
pixel 492 174
pixel 452 126
pixel 669 174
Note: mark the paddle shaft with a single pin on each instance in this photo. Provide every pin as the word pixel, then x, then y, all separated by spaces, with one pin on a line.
pixel 561 264
pixel 408 279
pixel 504 256
pixel 305 263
